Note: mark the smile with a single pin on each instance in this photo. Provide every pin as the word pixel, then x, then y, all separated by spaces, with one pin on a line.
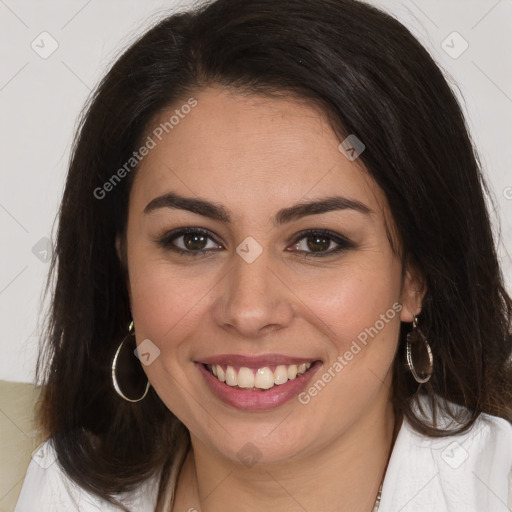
pixel 256 379
pixel 257 383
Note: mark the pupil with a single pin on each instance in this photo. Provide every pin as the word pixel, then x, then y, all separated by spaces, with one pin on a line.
pixel 318 242
pixel 194 241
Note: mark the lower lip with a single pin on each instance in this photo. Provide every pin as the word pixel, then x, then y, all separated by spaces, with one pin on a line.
pixel 258 400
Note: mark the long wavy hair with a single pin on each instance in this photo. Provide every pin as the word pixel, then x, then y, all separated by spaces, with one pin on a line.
pixel 373 79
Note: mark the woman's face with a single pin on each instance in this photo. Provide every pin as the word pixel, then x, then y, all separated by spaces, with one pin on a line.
pixel 252 290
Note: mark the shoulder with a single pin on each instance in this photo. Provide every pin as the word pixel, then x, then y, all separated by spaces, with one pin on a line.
pixel 469 472
pixel 48 489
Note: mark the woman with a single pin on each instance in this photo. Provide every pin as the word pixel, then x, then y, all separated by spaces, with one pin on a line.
pixel 279 205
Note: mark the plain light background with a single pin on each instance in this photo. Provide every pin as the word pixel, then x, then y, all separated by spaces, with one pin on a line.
pixel 41 95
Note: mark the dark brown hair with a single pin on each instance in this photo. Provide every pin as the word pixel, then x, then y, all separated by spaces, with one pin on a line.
pixel 373 79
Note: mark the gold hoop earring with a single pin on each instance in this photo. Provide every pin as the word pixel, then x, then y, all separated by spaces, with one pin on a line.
pixel 423 368
pixel 130 374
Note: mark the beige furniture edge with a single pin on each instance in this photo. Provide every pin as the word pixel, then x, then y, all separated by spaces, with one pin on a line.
pixel 19 437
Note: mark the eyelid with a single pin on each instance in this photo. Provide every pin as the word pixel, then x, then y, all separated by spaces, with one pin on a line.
pixel 337 237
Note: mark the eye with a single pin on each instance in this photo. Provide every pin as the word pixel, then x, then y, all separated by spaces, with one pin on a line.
pixel 189 241
pixel 320 242
pixel 193 241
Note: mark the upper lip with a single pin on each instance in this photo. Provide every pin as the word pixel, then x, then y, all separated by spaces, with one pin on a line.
pixel 255 361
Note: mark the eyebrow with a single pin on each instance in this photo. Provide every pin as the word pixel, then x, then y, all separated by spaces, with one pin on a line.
pixel 218 212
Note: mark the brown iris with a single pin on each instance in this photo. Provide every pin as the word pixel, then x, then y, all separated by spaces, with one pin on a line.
pixel 195 241
pixel 318 243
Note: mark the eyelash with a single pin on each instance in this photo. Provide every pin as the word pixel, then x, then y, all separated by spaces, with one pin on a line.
pixel 167 241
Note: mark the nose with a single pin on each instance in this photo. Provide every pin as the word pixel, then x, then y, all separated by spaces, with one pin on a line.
pixel 253 300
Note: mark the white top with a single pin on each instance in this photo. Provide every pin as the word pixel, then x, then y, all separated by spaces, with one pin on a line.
pixel 471 472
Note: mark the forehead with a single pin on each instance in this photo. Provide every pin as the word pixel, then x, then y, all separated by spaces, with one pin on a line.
pixel 240 149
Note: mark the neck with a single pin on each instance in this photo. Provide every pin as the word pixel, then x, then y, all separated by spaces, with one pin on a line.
pixel 350 471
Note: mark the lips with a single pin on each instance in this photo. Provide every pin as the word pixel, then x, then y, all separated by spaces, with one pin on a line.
pixel 236 360
pixel 257 383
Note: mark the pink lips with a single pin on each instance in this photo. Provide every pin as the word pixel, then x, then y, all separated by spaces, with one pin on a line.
pixel 256 400
pixel 255 361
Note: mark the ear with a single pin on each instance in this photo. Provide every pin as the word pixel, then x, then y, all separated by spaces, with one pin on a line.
pixel 413 291
pixel 121 254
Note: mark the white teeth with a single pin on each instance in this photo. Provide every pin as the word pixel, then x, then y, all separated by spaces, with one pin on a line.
pixel 263 379
pixel 280 375
pixel 231 376
pixel 292 371
pixel 245 378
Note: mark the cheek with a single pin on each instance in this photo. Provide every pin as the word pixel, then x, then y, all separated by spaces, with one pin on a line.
pixel 358 310
pixel 166 308
pixel 163 300
pixel 357 297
